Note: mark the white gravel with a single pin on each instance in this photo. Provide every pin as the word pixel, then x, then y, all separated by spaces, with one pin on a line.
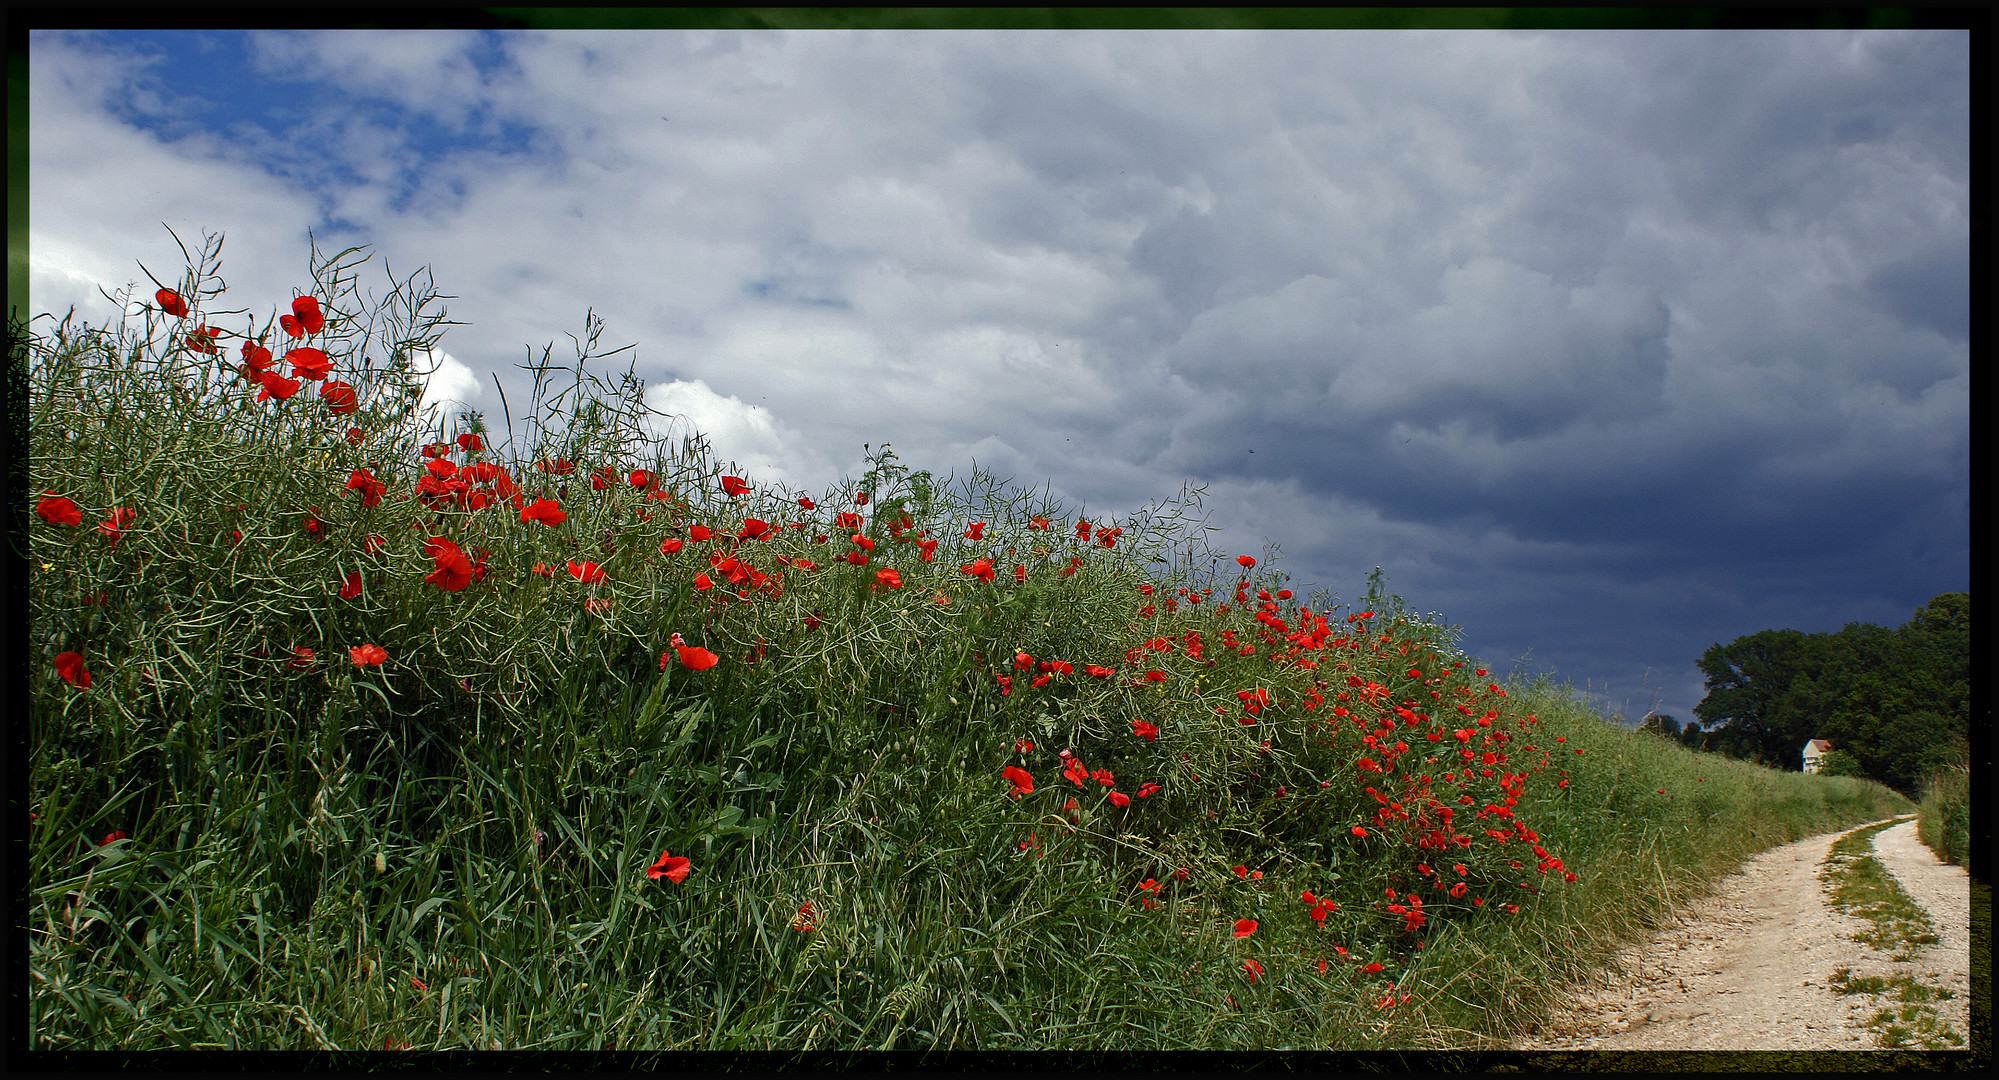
pixel 1748 966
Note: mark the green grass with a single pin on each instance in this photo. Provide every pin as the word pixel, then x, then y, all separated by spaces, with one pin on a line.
pixel 1943 811
pixel 450 848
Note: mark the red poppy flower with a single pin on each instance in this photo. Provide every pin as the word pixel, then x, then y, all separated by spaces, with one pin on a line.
pixel 545 511
pixel 696 657
pixel 888 579
pixel 1155 676
pixel 304 319
pixel 373 544
pixel 975 530
pixel 1253 969
pixel 340 400
pixel 1360 832
pixel 1245 927
pixel 1022 782
pixel 1097 671
pixel 979 568
pixel 754 529
pixel 1022 746
pixel 1119 798
pixel 276 387
pixel 1372 969
pixel 113 526
pixel 734 485
pixel 1147 790
pixel 172 303
pixel 1039 522
pixel 589 573
pixel 1145 730
pixel 1245 561
pixel 112 838
pixel 807 504
pixel 308 363
pixel 699 533
pixel 672 867
pixel 370 488
pixel 702 581
pixel 862 542
pixel 58 511
pixel 202 339
pixel 368 655
pixel 69 665
pixel 351 586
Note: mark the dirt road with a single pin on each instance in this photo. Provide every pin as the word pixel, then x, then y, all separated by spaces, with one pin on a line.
pixel 1751 967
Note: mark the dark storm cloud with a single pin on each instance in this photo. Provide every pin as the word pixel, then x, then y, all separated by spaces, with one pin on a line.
pixel 1605 345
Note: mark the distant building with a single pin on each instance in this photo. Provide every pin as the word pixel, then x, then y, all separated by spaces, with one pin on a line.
pixel 1814 751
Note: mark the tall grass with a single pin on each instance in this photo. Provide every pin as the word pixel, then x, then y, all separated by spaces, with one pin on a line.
pixel 252 830
pixel 1943 810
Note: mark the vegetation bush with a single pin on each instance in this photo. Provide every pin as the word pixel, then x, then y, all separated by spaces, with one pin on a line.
pixel 349 731
pixel 1943 814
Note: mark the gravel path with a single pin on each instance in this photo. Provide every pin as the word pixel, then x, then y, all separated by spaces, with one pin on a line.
pixel 1748 967
pixel 1944 893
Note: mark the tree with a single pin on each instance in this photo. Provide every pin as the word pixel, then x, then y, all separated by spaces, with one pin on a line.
pixel 1749 683
pixel 1840 763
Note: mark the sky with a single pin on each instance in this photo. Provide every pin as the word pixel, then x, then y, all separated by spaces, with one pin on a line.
pixel 1607 346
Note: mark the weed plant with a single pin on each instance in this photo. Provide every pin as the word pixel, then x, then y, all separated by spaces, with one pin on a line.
pixel 348 731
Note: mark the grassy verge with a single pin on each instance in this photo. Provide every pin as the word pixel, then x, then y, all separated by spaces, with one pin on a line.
pixel 1943 814
pixel 349 732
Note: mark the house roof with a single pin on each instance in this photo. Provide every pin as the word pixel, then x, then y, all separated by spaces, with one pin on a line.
pixel 1819 745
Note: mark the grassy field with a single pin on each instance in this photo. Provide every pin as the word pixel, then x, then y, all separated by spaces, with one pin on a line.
pixel 345 733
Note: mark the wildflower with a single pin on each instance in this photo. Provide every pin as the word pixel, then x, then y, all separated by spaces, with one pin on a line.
pixel 672 867
pixel 69 665
pixel 350 587
pixel 888 579
pixel 58 510
pixel 172 303
pixel 1119 798
pixel 694 656
pixel 1022 746
pixel 112 838
pixel 309 364
pixel 807 504
pixel 734 485
pixel 976 530
pixel 979 568
pixel 1360 832
pixel 1245 561
pixel 1242 871
pixel 371 489
pixel 545 511
pixel 1253 969
pixel 340 399
pixel 1147 790
pixel 1180 874
pixel 274 386
pixel 807 918
pixel 368 655
pixel 304 319
pixel 113 526
pixel 589 573
pixel 1022 782
pixel 1096 671
pixel 453 570
pixel 1155 676
pixel 1372 969
pixel 754 529
pixel 1244 927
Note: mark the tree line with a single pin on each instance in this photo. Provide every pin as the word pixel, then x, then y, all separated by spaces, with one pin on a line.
pixel 1893 703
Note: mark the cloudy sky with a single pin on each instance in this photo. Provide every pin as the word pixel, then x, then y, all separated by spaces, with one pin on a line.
pixel 1608 346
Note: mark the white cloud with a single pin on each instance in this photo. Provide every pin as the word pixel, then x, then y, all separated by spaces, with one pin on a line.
pixel 765 448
